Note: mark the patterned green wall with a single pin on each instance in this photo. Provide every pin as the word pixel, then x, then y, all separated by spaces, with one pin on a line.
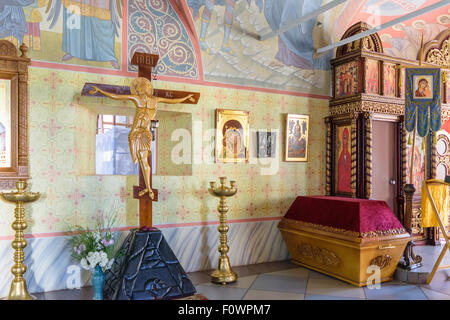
pixel 172 129
pixel 62 135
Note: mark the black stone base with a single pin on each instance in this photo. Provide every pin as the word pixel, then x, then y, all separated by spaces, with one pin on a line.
pixel 145 268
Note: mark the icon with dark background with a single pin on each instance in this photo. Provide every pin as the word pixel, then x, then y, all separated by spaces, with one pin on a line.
pixel 266 144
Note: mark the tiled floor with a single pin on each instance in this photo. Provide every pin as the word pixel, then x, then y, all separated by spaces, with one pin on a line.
pixel 286 281
pixel 420 275
pixel 297 283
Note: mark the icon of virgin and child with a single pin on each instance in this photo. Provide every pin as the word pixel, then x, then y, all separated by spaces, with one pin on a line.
pixel 422 89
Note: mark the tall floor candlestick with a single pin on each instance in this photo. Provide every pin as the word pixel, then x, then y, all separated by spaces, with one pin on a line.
pixel 223 274
pixel 18 290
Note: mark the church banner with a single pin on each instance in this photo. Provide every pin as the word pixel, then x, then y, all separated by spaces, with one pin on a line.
pixel 422 94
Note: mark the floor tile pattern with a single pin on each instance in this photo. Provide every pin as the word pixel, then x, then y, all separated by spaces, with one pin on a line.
pixel 286 281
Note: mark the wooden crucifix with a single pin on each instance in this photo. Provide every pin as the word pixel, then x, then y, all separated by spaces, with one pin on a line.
pixel 145 98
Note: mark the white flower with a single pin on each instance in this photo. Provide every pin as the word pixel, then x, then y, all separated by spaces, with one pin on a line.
pixel 103 255
pixel 84 264
pixel 103 259
pixel 93 258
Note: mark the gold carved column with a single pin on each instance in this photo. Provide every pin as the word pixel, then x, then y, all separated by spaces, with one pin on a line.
pixel 403 155
pixel 354 143
pixel 368 151
pixel 328 157
pixel 433 155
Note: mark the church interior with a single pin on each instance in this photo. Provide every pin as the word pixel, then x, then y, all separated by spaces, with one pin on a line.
pixel 224 149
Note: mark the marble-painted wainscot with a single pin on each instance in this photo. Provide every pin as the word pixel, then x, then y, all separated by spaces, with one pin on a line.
pixel 51 267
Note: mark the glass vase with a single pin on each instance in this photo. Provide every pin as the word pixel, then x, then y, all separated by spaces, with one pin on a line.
pixel 98 280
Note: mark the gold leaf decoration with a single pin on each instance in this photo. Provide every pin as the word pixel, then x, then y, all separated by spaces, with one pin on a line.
pixel 320 255
pixel 381 261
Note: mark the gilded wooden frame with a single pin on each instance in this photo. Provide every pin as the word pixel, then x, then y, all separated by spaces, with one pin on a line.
pixel 15 69
pixel 291 121
pixel 231 123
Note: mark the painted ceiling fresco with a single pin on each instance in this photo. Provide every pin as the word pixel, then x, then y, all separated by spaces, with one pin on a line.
pixel 71 32
pixel 209 41
pixel 403 40
pixel 231 52
pixel 169 39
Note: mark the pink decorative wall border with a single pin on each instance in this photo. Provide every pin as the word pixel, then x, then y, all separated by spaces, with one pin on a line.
pixel 160 226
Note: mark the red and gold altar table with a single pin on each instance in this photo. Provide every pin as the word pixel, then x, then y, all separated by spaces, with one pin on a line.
pixel 342 237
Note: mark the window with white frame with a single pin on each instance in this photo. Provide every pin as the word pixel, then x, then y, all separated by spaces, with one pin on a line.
pixel 112 152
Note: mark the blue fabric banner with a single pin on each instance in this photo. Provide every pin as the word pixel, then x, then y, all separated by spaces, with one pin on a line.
pixel 423 98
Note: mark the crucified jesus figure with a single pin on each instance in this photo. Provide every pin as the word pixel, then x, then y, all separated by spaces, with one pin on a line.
pixel 140 137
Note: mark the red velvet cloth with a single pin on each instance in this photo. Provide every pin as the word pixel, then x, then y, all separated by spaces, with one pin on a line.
pixel 359 215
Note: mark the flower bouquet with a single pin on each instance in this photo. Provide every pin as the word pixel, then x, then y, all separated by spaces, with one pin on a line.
pixel 94 249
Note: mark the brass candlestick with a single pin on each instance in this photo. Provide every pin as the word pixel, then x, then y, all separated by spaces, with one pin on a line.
pixel 223 274
pixel 18 289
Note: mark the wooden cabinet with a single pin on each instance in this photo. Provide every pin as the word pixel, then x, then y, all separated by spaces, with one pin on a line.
pixel 367 106
pixel 366 143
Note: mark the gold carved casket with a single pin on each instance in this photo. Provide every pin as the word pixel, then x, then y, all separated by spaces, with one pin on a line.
pixel 345 238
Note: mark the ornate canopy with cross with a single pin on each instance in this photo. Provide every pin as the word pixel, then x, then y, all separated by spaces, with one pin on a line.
pixel 145 63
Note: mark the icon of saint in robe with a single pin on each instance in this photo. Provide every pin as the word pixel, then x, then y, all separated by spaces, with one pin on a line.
pixel 344 165
pixel 297 142
pixel 418 166
pixel 269 145
pixel 263 145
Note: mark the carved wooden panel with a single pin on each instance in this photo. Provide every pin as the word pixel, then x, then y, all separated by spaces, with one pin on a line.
pixel 370 43
pixel 382 261
pixel 328 157
pixel 368 153
pixel 14 108
pixel 437 51
pixel 319 255
pixel 442 154
pixel 7 49
pixel 417 220
pixel 354 154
